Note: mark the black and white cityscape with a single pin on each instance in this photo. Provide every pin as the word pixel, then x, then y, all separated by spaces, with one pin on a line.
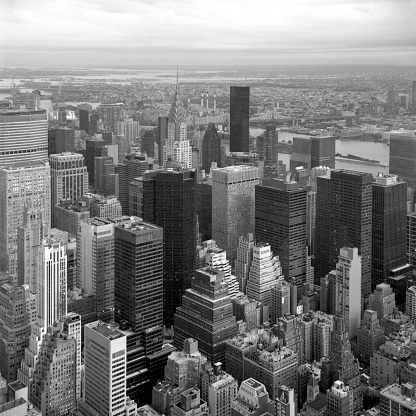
pixel 201 216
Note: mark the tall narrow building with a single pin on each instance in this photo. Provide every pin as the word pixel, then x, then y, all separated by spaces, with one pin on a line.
pixel 281 221
pixel 239 119
pixel 265 272
pixel 211 148
pixel 138 258
pixel 244 259
pixel 388 227
pixel 167 199
pixel 233 189
pixel 206 314
pixel 402 157
pixel 69 178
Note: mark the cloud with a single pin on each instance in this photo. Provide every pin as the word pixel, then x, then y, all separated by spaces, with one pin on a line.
pixel 143 30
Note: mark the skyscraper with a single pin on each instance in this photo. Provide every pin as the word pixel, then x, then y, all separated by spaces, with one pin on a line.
pixel 206 314
pixel 110 114
pixel 370 335
pixel 348 289
pixel 389 227
pixel 105 373
pixel 413 98
pixel 167 199
pixel 95 261
pixel 265 272
pixel 233 189
pixel 244 259
pixel 138 295
pixel 93 148
pixel 350 220
pixel 23 136
pixel 281 221
pixel 340 400
pixel 69 178
pixel 239 119
pixel 162 135
pixel 391 102
pixel 130 130
pixel 402 160
pixel 313 152
pixel 84 120
pixel 177 147
pixel 211 148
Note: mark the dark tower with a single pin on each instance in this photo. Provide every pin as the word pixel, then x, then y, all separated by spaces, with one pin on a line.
pixel 162 136
pixel 84 123
pixel 239 119
pixel 93 148
pixel 389 227
pixel 280 219
pixel 211 148
pixel 402 159
pixel 168 200
pixel 351 219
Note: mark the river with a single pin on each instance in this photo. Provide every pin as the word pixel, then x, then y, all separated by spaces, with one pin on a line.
pixel 369 150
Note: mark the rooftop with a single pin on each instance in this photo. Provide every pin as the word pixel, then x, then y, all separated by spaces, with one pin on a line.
pixel 107 331
pixel 394 393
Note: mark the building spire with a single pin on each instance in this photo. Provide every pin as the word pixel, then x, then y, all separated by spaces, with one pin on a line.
pixel 177 78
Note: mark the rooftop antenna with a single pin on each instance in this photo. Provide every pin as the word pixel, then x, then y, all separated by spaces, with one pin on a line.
pixel 177 78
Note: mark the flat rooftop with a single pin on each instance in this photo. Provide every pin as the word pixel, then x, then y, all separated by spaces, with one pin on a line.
pixel 107 331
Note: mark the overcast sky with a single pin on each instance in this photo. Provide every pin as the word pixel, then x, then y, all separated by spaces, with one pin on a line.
pixel 82 33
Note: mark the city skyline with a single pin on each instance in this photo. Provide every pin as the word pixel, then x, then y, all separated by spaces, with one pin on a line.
pixel 154 33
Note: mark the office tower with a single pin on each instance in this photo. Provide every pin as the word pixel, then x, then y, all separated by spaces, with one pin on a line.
pixel 285 404
pixel 370 335
pixel 388 362
pixel 95 261
pixel 217 259
pixel 273 368
pixel 244 259
pixel 246 159
pixel 29 247
pixel 233 189
pixel 211 148
pixel 94 118
pixel 206 314
pixel 323 264
pixel 24 136
pixel 84 120
pixel 411 239
pixel 51 290
pixel 93 148
pixel 399 280
pixel 348 289
pixel 55 374
pixel 68 215
pixel 100 173
pixel 270 146
pixel 133 166
pixel 105 373
pixel 17 313
pixel 252 313
pixel 398 400
pixel 389 227
pixel 221 393
pixel 190 403
pixel 350 220
pixel 239 119
pixel 31 186
pixel 138 253
pixel 265 272
pixel 168 201
pixel 110 114
pixel 252 400
pixel 313 152
pixel 391 102
pixel 162 136
pixel 148 144
pixel 281 221
pixel 130 130
pixel 65 139
pixel 340 400
pixel 183 368
pixel 402 160
pixel 280 300
pixel 177 148
pixel 343 365
pixel 105 207
pixel 382 301
pixel 203 201
pixel 69 178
